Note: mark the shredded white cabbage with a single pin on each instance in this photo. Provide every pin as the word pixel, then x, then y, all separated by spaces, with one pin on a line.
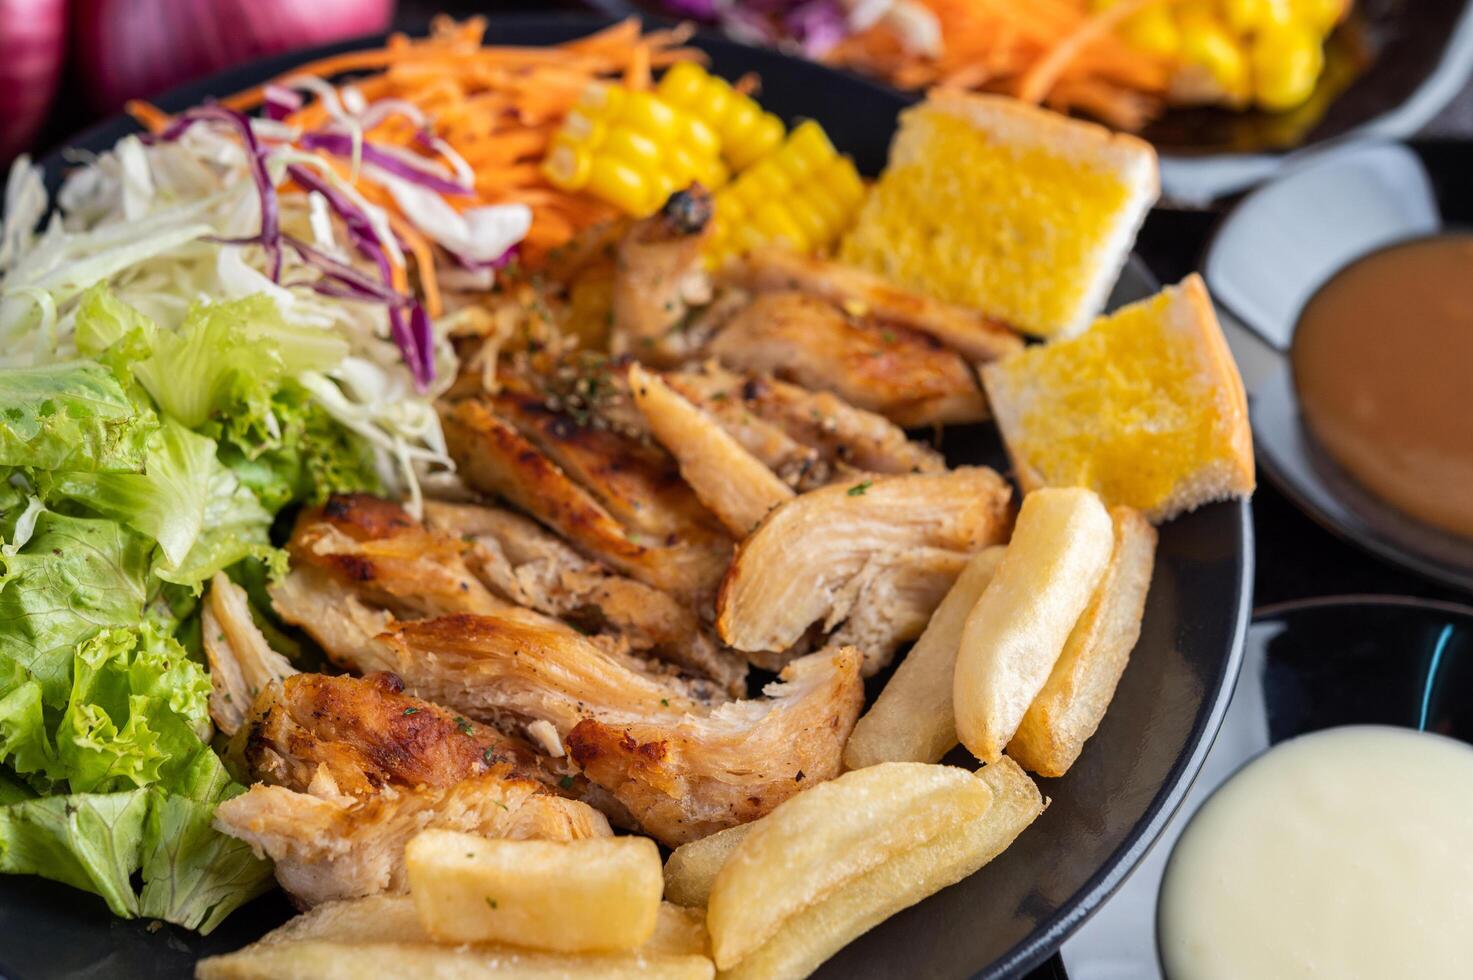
pixel 149 220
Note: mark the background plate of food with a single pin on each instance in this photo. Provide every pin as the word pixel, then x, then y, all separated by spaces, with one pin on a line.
pixel 1224 89
pixel 717 411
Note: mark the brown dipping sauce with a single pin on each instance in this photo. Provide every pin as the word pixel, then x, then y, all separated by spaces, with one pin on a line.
pixel 1383 364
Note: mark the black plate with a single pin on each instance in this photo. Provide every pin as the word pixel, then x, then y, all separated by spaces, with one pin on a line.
pixel 1012 914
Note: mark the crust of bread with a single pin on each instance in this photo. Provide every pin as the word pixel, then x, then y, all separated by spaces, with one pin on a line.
pixel 1192 315
pixel 1011 122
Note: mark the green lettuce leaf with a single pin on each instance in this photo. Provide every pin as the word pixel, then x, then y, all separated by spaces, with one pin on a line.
pixel 137 711
pixel 75 416
pixel 165 502
pixel 229 356
pixel 296 451
pixel 89 841
pixel 74 576
pixel 235 527
pixel 193 875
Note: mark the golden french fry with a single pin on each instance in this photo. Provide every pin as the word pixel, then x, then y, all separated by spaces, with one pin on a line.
pixel 317 959
pixel 1073 701
pixel 1013 636
pixel 692 868
pixel 732 483
pixel 571 896
pixel 814 842
pixel 809 938
pixel 912 719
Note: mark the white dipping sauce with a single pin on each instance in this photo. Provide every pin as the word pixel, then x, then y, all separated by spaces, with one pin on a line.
pixel 1346 853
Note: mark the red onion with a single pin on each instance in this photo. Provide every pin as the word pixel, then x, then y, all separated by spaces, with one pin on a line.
pixel 32 49
pixel 128 49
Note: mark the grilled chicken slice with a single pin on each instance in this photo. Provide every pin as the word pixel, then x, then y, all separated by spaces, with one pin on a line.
pixel 518 559
pixel 242 663
pixel 658 275
pixel 327 845
pixel 889 603
pixel 377 550
pixel 906 376
pixel 494 458
pixel 968 332
pixel 635 481
pixel 814 557
pixel 686 779
pixel 339 622
pixel 730 481
pixel 841 434
pixel 367 734
pixel 513 674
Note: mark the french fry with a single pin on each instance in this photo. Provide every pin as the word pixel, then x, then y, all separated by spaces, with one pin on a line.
pixel 912 719
pixel 326 960
pixel 1016 632
pixel 816 841
pixel 692 868
pixel 809 938
pixel 569 896
pixel 322 943
pixel 1073 701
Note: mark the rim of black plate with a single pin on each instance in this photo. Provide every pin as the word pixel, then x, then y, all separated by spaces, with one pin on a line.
pixel 1046 938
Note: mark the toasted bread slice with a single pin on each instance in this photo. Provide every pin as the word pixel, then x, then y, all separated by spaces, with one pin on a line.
pixel 1019 212
pixel 1145 408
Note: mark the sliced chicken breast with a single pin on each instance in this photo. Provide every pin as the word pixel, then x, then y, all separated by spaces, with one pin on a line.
pixel 242 663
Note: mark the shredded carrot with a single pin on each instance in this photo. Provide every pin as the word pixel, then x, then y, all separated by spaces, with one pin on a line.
pixel 1056 52
pixel 149 116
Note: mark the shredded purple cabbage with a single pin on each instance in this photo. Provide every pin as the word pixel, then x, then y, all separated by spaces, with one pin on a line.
pixel 343 280
pixel 281 102
pixel 817 26
pixel 341 144
pixel 365 239
pixel 270 239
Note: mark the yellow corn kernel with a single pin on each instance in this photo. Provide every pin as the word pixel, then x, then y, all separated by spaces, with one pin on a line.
pixel 1207 42
pixel 634 148
pixel 810 221
pixel 807 148
pixel 679 163
pixel 742 116
pixel 774 219
pixel 649 115
pixel 661 185
pixel 844 182
pixel 567 166
pixel 580 127
pixel 713 173
pixel 1286 64
pixel 835 215
pixel 620 184
pixel 683 84
pixel 601 99
pixel 701 138
pixel 764 137
pixel 1153 31
pixel 747 238
pixel 763 181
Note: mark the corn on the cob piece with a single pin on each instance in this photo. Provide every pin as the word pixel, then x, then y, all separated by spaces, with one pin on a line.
pixel 632 149
pixel 803 194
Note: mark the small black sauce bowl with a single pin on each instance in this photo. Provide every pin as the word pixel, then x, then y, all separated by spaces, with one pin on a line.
pixel 1327 663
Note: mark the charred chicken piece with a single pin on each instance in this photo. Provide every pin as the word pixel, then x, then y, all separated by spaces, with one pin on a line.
pixel 817 556
pixel 377 550
pixel 685 779
pixel 659 275
pixel 967 332
pixel 367 734
pixel 517 558
pixel 327 845
pixel 843 436
pixel 908 377
pixel 494 458
pixel 513 674
pixel 242 663
pixel 730 481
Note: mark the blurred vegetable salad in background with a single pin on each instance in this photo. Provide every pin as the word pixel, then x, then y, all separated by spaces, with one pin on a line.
pixel 1121 61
